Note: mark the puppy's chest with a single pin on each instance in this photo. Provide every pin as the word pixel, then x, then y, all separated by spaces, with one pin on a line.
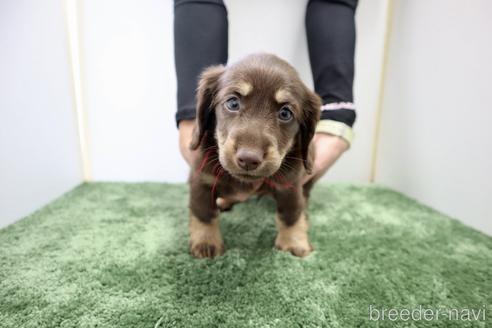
pixel 231 189
pixel 239 192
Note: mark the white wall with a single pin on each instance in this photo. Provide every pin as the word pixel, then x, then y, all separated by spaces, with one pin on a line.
pixel 130 86
pixel 39 156
pixel 436 140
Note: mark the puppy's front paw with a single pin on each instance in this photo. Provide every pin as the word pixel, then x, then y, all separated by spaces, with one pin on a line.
pixel 205 238
pixel 296 244
pixel 206 249
pixel 293 238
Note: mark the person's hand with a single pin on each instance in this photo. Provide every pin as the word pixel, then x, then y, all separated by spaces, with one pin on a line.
pixel 328 148
pixel 185 135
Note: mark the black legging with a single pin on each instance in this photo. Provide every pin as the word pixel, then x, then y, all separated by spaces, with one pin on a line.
pixel 201 40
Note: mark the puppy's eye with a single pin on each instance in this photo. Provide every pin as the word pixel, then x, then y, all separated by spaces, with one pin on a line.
pixel 232 104
pixel 285 114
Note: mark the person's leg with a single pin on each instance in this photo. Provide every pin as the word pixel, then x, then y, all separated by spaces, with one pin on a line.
pixel 330 29
pixel 200 40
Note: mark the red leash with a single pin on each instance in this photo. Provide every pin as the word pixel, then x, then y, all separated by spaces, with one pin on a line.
pixel 214 186
pixel 204 162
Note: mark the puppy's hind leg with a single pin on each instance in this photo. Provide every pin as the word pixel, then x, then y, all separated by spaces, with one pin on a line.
pixel 205 236
pixel 224 204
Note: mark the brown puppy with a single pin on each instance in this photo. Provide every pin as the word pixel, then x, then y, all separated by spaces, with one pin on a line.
pixel 255 121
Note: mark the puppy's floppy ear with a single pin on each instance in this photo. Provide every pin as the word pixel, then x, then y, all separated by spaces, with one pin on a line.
pixel 311 112
pixel 205 118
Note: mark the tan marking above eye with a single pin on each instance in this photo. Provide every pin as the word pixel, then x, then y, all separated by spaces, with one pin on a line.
pixel 244 88
pixel 282 96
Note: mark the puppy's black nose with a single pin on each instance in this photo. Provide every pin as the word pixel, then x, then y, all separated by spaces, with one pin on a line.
pixel 248 159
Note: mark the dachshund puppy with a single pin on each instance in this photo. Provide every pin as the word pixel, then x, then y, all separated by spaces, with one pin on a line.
pixel 255 121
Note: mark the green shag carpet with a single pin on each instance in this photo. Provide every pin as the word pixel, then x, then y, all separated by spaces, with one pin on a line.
pixel 115 255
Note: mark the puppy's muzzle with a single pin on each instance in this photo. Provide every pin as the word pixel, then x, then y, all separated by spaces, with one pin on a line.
pixel 249 159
